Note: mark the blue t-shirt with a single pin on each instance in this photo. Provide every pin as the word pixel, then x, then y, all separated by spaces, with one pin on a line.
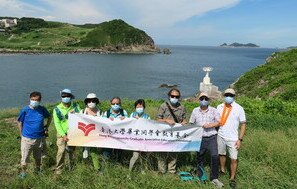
pixel 32 119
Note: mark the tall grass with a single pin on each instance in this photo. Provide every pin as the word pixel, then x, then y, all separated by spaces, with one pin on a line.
pixel 267 158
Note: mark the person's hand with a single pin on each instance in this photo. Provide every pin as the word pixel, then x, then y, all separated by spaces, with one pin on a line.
pixel 123 117
pixel 237 144
pixel 111 118
pixel 137 117
pixel 207 125
pixel 65 138
pixel 170 122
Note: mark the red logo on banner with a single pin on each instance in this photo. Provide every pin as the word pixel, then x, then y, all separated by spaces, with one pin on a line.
pixel 86 128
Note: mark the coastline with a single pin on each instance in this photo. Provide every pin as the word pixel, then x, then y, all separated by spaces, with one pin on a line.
pixel 105 50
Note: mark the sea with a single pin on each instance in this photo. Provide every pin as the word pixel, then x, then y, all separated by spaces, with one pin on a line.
pixel 129 76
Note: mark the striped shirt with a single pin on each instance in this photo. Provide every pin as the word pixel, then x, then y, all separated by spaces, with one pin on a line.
pixel 199 117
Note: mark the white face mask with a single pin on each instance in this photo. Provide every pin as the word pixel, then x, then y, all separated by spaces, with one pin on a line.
pixel 34 103
pixel 91 105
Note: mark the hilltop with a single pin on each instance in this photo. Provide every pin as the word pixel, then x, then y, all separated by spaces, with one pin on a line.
pixel 239 45
pixel 276 78
pixel 38 35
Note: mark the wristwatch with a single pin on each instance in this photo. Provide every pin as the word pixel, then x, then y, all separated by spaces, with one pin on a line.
pixel 241 139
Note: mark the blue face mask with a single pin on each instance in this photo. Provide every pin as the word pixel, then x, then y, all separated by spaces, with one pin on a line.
pixel 139 110
pixel 204 103
pixel 34 103
pixel 66 99
pixel 173 100
pixel 229 99
pixel 115 107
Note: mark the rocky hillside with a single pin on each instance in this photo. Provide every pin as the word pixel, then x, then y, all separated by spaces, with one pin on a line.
pixel 276 78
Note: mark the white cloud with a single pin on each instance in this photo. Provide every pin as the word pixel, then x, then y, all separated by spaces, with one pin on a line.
pixel 18 8
pixel 166 13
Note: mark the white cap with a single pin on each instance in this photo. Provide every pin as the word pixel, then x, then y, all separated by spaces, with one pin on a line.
pixel 231 91
pixel 91 95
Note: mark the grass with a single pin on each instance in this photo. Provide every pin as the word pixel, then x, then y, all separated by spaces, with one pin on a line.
pixel 267 158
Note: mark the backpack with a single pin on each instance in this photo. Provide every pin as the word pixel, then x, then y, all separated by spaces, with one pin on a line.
pixel 61 116
pixel 108 113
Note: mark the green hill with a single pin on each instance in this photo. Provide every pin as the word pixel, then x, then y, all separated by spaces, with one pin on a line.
pixel 38 34
pixel 276 78
pixel 116 33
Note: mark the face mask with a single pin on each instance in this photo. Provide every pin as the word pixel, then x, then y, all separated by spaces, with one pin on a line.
pixel 115 107
pixel 204 103
pixel 91 105
pixel 139 110
pixel 229 99
pixel 66 99
pixel 173 100
pixel 34 103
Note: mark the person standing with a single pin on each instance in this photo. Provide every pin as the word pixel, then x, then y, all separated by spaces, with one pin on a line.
pixel 139 106
pixel 207 117
pixel 170 112
pixel 115 112
pixel 232 116
pixel 32 131
pixel 91 102
pixel 60 115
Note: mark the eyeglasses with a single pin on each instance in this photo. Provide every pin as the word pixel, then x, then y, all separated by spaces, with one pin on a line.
pixel 115 104
pixel 229 95
pixel 203 98
pixel 173 96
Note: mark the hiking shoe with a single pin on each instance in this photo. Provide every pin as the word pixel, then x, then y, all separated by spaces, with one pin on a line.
pixel 58 172
pixel 22 175
pixel 232 184
pixel 217 183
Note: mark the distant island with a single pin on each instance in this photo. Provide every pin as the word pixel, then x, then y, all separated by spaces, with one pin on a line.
pixel 239 45
pixel 35 35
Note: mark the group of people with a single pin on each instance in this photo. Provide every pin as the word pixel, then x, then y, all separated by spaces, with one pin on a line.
pixel 220 131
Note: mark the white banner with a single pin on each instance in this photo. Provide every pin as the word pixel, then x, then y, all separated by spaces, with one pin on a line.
pixel 132 134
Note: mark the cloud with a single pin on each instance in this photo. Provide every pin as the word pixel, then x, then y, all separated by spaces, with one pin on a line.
pixel 17 8
pixel 166 13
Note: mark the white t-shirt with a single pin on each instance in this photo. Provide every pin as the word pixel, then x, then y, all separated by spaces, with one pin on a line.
pixel 229 131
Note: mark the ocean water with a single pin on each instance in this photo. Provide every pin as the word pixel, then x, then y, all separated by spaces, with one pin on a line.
pixel 123 75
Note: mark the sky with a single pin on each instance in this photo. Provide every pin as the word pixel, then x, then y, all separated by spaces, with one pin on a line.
pixel 268 23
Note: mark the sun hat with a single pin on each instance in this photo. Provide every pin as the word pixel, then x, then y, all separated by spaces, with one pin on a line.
pixel 203 94
pixel 91 96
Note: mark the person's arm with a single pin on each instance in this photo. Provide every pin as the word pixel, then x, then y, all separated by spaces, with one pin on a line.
pixel 20 127
pixel 241 134
pixel 160 116
pixel 184 117
pixel 216 122
pixel 58 126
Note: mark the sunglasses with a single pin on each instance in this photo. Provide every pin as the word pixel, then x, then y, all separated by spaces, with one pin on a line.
pixel 229 95
pixel 115 104
pixel 64 96
pixel 92 100
pixel 173 96
pixel 203 98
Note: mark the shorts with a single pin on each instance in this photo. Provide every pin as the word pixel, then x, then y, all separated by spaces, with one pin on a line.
pixel 224 144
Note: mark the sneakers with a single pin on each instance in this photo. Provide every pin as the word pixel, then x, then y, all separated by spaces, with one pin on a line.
pixel 86 153
pixel 217 183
